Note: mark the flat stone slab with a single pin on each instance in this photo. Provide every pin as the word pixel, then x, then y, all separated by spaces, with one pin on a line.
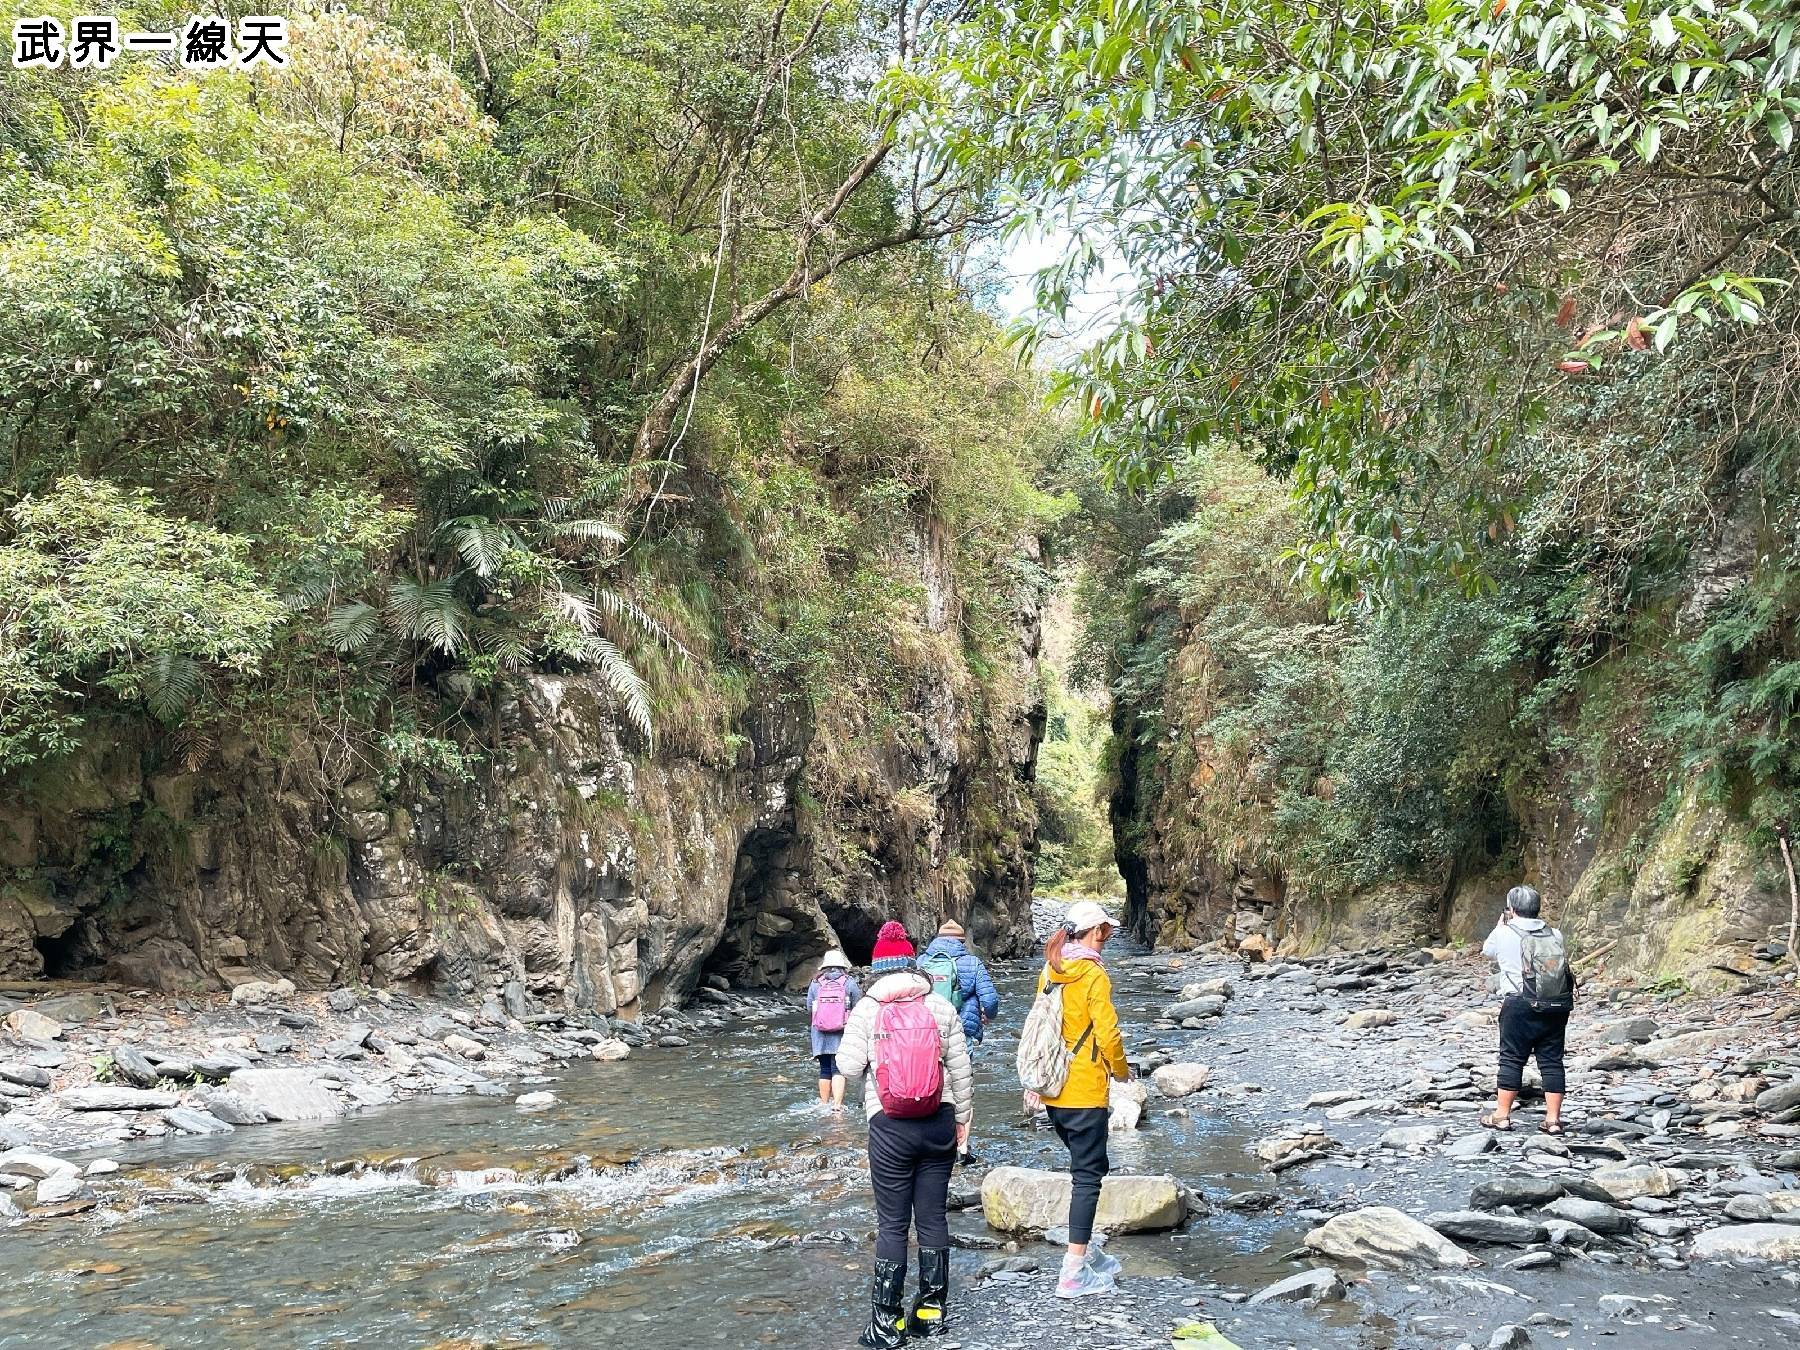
pixel 1749 1242
pixel 111 1097
pixel 286 1094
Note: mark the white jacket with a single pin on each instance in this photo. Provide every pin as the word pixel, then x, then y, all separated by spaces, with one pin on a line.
pixel 855 1055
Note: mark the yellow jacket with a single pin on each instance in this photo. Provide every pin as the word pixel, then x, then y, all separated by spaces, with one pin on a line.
pixel 1088 1007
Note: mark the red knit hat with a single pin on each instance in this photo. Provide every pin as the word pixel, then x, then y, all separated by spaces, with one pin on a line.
pixel 893 950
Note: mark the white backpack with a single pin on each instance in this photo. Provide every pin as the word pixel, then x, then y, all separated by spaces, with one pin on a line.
pixel 1043 1057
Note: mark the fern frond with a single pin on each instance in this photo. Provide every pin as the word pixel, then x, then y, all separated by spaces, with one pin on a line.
pixel 589 529
pixel 350 628
pixel 620 676
pixel 621 608
pixel 571 608
pixel 171 684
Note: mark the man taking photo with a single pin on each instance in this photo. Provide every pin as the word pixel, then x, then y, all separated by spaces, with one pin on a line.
pixel 1539 994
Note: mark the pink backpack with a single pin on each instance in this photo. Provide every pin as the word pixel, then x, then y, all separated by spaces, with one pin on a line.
pixel 909 1075
pixel 831 1004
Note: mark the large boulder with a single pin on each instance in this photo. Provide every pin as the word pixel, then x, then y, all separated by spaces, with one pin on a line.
pixel 1515 1192
pixel 33 1026
pixel 285 1094
pixel 112 1097
pixel 1029 1200
pixel 1380 1236
pixel 1775 1100
pixel 1590 1214
pixel 1748 1242
pixel 1207 1005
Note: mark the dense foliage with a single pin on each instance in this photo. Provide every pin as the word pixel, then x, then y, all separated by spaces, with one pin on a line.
pixel 574 336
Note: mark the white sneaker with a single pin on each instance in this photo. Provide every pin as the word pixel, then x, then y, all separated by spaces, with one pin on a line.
pixel 1081 1280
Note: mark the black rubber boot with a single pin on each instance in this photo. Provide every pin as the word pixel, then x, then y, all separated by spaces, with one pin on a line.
pixel 887 1307
pixel 931 1310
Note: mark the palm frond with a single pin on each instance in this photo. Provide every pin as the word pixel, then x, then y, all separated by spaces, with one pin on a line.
pixel 171 684
pixel 428 612
pixel 572 608
pixel 350 628
pixel 621 608
pixel 478 541
pixel 589 529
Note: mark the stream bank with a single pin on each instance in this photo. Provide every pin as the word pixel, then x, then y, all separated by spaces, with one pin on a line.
pixel 692 1193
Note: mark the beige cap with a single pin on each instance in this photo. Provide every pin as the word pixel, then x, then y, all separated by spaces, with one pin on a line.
pixel 835 960
pixel 951 928
pixel 1085 915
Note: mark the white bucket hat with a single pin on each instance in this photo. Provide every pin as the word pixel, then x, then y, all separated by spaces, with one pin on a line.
pixel 1085 914
pixel 835 960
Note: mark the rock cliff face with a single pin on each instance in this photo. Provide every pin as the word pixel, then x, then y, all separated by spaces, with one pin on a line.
pixel 597 874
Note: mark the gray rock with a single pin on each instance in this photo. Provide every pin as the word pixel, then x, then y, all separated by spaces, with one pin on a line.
pixel 1306 1288
pixel 111 1097
pixel 1380 1236
pixel 1775 1100
pixel 33 1026
pixel 232 1107
pixel 1208 1005
pixel 1405 1137
pixel 54 1190
pixel 21 1162
pixel 436 1027
pixel 1626 1031
pixel 1776 1242
pixel 1590 1214
pixel 130 1064
pixel 1510 1337
pixel 25 1075
pixel 286 1094
pixel 72 1009
pixel 1470 1146
pixel 1474 1225
pixel 341 1000
pixel 1626 1183
pixel 1514 1192
pixel 189 1121
pixel 513 997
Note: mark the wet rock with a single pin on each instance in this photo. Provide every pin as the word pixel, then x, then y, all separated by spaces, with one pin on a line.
pixel 54 1190
pixel 19 1162
pixel 671 1041
pixel 191 1121
pixel 1590 1214
pixel 111 1097
pixel 1364 1106
pixel 1219 988
pixel 1563 1233
pixel 1514 1192
pixel 1370 1017
pixel 1470 1146
pixel 231 1107
pixel 535 1101
pixel 1307 1288
pixel 1335 1097
pixel 1748 1242
pixel 286 1094
pixel 33 1026
pixel 1407 1138
pixel 1181 1080
pixel 1210 1005
pixel 1380 1236
pixel 1025 1199
pixel 1474 1225
pixel 608 1051
pixel 1627 1183
pixel 1283 1151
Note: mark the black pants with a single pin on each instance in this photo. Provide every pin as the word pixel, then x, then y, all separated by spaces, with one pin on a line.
pixel 909 1164
pixel 827 1067
pixel 1526 1031
pixel 1083 1131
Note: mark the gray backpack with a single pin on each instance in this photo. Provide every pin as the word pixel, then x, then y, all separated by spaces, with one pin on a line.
pixel 1548 981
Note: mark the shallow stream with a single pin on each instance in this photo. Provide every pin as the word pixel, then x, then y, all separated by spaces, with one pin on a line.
pixel 719 1206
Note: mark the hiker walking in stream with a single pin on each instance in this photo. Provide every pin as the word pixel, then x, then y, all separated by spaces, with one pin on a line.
pixel 958 976
pixel 1070 1050
pixel 906 1044
pixel 1539 991
pixel 829 999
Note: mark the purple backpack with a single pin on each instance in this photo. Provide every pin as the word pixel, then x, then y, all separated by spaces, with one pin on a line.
pixel 909 1074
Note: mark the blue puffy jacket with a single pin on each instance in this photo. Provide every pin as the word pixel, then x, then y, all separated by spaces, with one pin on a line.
pixel 980 998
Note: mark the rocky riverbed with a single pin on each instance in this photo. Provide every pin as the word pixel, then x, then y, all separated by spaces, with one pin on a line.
pixel 1317 1121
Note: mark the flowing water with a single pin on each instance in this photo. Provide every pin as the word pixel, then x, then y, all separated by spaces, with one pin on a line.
pixel 681 1198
